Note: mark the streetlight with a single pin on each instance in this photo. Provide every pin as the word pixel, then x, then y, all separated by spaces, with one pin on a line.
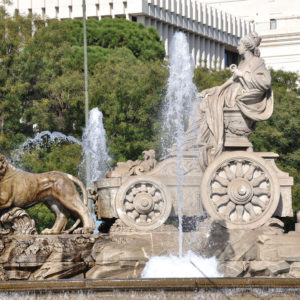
pixel 86 97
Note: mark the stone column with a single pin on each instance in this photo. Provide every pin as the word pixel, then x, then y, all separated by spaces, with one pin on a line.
pixel 222 57
pixel 203 56
pixel 207 54
pixel 198 52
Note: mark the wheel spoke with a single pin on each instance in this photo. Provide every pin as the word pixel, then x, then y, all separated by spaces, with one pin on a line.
pixel 143 218
pixel 151 215
pixel 223 200
pixel 151 190
pixel 250 172
pixel 218 191
pixel 223 181
pixel 261 191
pixel 258 202
pixel 143 188
pixel 228 172
pixel 157 197
pixel 239 212
pixel 229 209
pixel 250 210
pixel 129 206
pixel 129 198
pixel 239 169
pixel 134 214
pixel 258 180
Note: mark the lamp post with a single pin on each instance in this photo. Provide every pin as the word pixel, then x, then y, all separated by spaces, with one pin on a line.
pixel 86 97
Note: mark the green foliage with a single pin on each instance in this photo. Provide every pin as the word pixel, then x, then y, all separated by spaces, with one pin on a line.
pixel 15 34
pixel 143 42
pixel 130 102
pixel 42 216
pixel 205 78
pixel 279 134
pixel 60 157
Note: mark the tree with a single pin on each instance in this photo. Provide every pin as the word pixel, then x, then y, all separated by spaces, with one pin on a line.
pixel 130 101
pixel 52 67
pixel 15 34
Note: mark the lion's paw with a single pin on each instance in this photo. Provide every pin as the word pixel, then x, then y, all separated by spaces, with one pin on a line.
pixel 49 231
pixel 83 230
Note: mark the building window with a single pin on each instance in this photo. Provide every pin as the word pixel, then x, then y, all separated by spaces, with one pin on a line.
pixel 231 58
pixel 134 19
pixel 273 24
pixel 56 12
pixel 43 13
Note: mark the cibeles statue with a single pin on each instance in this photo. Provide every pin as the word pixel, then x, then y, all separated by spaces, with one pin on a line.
pixel 248 90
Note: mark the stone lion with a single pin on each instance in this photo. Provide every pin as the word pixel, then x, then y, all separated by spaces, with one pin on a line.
pixel 56 189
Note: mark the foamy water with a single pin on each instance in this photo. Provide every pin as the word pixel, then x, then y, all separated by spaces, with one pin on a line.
pixel 188 266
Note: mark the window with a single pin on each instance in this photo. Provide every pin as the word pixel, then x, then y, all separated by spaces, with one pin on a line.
pixel 273 24
pixel 56 12
pixel 134 19
pixel 231 58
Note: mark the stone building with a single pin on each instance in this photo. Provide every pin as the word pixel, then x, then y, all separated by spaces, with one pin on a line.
pixel 213 34
pixel 277 22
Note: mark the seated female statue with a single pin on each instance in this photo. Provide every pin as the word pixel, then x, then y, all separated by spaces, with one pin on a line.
pixel 249 89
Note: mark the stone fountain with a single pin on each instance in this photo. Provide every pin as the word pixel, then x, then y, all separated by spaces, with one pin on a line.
pixel 232 200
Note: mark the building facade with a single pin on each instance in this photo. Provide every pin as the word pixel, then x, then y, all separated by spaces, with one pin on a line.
pixel 277 21
pixel 213 34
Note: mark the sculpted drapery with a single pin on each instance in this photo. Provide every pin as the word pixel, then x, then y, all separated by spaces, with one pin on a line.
pixel 249 89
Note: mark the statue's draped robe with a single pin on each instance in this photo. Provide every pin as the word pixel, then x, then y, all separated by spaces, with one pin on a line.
pixel 251 93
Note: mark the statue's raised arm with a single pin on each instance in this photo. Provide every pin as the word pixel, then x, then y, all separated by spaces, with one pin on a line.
pixel 248 89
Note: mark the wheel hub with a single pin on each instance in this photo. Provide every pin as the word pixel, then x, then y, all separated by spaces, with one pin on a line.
pixel 240 191
pixel 143 203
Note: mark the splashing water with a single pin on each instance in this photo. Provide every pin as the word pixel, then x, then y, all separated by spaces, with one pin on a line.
pixel 94 145
pixel 49 137
pixel 180 94
pixel 177 108
pixel 40 140
pixel 188 266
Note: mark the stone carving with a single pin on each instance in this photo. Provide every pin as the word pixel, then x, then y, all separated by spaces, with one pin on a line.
pixel 248 90
pixel 239 188
pixel 19 221
pixel 46 257
pixel 143 203
pixel 137 167
pixel 56 189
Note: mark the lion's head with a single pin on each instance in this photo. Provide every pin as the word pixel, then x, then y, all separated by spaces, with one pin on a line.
pixel 3 166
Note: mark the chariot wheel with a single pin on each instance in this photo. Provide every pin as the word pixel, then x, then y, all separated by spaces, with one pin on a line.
pixel 143 203
pixel 240 189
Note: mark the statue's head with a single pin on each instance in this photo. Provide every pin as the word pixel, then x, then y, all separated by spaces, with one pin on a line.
pixel 251 43
pixel 3 166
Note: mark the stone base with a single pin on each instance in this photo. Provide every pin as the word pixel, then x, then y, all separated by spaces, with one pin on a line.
pixel 263 252
pixel 165 289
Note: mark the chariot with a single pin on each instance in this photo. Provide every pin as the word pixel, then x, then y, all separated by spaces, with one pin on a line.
pixel 242 188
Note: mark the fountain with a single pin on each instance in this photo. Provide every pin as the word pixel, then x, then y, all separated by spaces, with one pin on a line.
pixel 242 192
